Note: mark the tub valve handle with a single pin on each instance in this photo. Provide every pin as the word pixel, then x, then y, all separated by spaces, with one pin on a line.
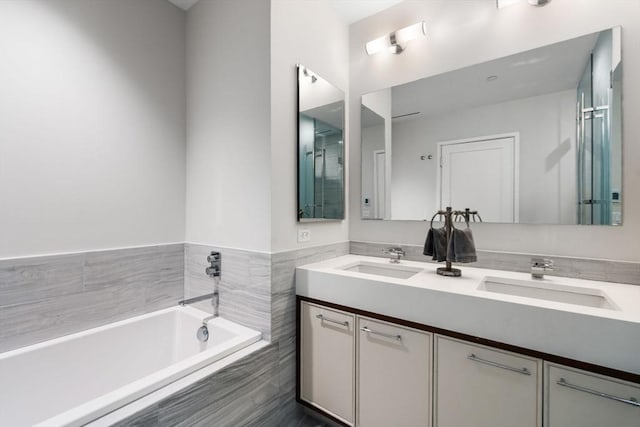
pixel 215 259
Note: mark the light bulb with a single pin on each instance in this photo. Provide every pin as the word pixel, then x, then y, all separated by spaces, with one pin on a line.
pixel 377 45
pixel 411 32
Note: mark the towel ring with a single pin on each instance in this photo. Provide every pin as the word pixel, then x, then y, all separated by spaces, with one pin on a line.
pixel 434 217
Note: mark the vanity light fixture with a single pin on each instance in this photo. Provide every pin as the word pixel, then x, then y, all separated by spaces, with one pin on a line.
pixel 397 41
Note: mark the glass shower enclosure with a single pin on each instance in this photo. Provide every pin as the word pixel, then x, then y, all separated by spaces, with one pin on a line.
pixel 599 136
pixel 321 169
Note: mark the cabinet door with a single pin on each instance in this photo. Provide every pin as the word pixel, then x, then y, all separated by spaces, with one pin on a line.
pixel 477 386
pixel 577 398
pixel 327 360
pixel 394 375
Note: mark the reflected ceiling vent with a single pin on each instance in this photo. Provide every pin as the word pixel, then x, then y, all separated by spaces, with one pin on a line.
pixel 401 116
pixel 397 41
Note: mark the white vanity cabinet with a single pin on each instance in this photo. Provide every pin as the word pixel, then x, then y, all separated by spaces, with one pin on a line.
pixel 478 386
pixel 366 371
pixel 393 375
pixel 575 398
pixel 327 360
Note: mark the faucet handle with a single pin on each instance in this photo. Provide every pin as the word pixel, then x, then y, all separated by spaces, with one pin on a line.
pixel 540 262
pixel 394 251
pixel 212 271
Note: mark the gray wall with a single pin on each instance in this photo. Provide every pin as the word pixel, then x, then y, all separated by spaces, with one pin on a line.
pixel 228 111
pixel 47 297
pixel 92 125
pixel 309 33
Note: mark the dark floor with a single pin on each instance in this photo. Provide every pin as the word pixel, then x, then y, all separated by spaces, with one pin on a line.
pixel 312 419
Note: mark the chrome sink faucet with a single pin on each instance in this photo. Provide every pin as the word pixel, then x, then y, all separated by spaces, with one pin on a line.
pixel 539 266
pixel 395 254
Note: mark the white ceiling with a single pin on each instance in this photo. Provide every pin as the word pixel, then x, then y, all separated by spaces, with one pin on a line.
pixel 539 71
pixel 349 10
pixel 355 10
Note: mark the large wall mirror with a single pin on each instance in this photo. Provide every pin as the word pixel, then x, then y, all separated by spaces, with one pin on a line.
pixel 320 149
pixel 530 138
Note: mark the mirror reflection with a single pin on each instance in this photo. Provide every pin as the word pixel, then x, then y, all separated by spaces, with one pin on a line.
pixel 320 148
pixel 530 138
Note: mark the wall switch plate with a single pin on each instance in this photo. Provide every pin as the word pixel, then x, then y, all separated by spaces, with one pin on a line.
pixel 304 235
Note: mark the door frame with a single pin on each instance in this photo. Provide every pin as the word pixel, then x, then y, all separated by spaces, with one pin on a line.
pixel 376 190
pixel 516 166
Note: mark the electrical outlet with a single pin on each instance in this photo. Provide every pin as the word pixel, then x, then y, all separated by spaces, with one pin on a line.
pixel 304 235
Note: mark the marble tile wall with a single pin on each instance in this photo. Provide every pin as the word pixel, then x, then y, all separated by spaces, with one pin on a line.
pixel 244 285
pixel 582 268
pixel 242 394
pixel 258 291
pixel 45 297
pixel 50 296
pixel 283 285
pixel 283 321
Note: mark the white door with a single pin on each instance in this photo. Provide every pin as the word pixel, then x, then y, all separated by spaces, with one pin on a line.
pixel 379 170
pixel 482 175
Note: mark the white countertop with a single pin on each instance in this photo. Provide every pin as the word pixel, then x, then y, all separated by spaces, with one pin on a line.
pixel 607 337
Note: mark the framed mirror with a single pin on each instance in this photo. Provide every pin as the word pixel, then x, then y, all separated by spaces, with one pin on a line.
pixel 533 138
pixel 321 108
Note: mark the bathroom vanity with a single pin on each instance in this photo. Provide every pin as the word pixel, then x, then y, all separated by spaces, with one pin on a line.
pixel 383 344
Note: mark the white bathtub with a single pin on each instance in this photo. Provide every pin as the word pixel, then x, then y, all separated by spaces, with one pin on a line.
pixel 75 379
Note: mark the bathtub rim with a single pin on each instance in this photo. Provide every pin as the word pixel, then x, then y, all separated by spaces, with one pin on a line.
pixel 77 335
pixel 125 412
pixel 113 400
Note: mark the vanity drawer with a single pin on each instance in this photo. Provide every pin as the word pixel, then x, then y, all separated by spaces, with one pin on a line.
pixel 327 360
pixel 478 386
pixel 394 375
pixel 575 398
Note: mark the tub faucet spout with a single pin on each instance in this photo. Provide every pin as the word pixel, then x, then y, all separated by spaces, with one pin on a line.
pixel 215 301
pixel 213 296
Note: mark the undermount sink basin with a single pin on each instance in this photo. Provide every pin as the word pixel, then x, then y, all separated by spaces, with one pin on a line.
pixel 588 297
pixel 397 271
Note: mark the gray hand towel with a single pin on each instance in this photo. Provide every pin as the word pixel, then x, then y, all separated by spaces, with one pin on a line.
pixel 461 247
pixel 436 244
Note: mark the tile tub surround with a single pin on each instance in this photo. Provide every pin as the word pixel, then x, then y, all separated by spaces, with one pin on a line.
pixel 257 289
pixel 46 297
pixel 244 393
pixel 244 284
pixel 50 296
pixel 579 268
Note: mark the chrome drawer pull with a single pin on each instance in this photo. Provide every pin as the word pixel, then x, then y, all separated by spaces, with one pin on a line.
pixel 327 319
pixel 631 401
pixel 523 371
pixel 382 334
